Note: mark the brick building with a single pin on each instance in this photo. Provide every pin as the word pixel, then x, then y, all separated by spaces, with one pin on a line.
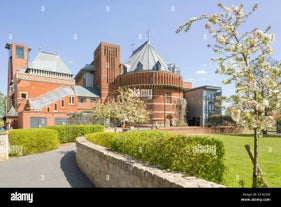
pixel 43 92
pixel 161 85
pixel 46 93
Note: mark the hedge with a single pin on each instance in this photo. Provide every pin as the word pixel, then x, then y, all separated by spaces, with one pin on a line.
pixel 69 133
pixel 32 141
pixel 193 155
pixel 101 138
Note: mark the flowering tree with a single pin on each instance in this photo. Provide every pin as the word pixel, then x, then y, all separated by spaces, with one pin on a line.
pixel 132 108
pixel 127 107
pixel 243 58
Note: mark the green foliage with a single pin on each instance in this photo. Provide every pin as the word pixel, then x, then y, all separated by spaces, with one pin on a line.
pixel 33 141
pixel 126 107
pixel 3 100
pixel 196 156
pixel 222 120
pixel 101 138
pixel 69 133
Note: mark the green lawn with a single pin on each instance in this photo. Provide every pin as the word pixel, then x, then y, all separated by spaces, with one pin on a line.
pixel 238 162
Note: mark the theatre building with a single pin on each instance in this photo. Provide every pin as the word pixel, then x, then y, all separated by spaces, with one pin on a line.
pixel 45 92
pixel 161 85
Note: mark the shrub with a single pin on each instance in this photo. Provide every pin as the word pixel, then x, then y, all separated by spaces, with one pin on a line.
pixel 101 138
pixel 194 155
pixel 33 141
pixel 69 133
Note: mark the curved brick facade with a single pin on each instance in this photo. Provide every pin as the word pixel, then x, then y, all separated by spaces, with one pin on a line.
pixel 152 79
pixel 165 91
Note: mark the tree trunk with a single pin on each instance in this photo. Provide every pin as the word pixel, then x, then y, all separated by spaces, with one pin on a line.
pixel 255 168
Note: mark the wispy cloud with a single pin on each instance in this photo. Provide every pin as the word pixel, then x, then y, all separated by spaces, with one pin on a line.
pixel 201 72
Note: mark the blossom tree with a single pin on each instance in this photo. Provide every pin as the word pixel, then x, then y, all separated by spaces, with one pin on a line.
pixel 132 108
pixel 243 58
pixel 126 107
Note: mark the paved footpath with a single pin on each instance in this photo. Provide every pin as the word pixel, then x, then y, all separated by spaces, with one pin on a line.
pixel 55 168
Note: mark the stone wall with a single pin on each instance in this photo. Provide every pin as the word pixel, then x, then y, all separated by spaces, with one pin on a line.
pixel 4 146
pixel 109 169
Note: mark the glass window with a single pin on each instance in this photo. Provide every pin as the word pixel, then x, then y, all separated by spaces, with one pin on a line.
pixel 71 100
pixel 93 100
pixel 169 98
pixel 23 95
pixel 19 52
pixel 81 100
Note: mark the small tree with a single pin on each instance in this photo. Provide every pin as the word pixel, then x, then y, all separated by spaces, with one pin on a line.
pixel 3 101
pixel 126 107
pixel 131 108
pixel 242 57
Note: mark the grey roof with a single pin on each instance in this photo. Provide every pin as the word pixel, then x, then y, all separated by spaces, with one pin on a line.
pixel 206 87
pixel 89 67
pixel 49 62
pixel 12 112
pixel 87 91
pixel 148 57
pixel 50 97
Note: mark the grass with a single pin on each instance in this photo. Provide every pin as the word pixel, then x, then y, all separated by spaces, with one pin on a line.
pixel 239 165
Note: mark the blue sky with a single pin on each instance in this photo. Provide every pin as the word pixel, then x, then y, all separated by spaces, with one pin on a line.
pixel 74 28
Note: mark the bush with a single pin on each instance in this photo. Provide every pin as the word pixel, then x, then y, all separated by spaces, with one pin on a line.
pixel 194 155
pixel 69 133
pixel 101 138
pixel 32 141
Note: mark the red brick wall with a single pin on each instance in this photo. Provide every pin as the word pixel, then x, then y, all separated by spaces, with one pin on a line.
pixel 152 77
pixel 106 62
pixel 24 118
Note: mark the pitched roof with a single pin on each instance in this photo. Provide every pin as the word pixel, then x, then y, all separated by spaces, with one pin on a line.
pixel 146 57
pixel 49 62
pixel 12 112
pixel 50 97
pixel 87 91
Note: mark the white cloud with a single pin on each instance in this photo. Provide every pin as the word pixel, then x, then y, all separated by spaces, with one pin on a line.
pixel 201 72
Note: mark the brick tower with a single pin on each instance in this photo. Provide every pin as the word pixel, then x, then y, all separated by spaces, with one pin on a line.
pixel 107 65
pixel 18 59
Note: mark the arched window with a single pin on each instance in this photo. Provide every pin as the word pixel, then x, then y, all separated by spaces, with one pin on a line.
pixel 158 66
pixel 62 103
pixel 139 66
pixel 56 106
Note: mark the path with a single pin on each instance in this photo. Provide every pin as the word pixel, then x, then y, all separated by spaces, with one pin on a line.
pixel 55 168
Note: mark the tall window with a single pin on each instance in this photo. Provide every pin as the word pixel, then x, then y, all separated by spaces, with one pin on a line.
pixel 139 66
pixel 56 106
pixel 19 52
pixel 62 103
pixel 169 98
pixel 71 100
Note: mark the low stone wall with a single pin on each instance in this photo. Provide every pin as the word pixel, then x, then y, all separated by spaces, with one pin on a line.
pixel 4 146
pixel 109 169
